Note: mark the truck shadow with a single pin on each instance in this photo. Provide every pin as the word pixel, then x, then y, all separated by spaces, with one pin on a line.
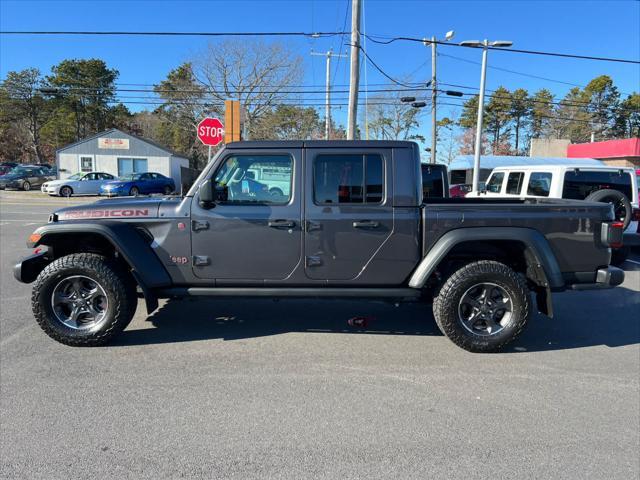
pixel 582 319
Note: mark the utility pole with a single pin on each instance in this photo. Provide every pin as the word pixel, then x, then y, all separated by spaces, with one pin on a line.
pixel 327 125
pixel 354 81
pixel 434 90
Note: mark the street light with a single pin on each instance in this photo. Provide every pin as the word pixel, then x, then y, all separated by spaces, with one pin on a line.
pixel 485 44
pixel 434 89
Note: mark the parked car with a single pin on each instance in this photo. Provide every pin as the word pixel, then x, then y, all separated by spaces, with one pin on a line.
pixel 25 177
pixel 462 189
pixel 79 184
pixel 615 185
pixel 355 224
pixel 5 167
pixel 138 183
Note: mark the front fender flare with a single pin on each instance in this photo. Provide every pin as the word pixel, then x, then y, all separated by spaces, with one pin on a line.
pixel 124 238
pixel 537 250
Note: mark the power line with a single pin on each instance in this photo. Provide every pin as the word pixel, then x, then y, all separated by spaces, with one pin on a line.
pixel 512 50
pixel 172 34
pixel 344 26
pixel 377 67
pixel 304 34
pixel 552 117
pixel 511 71
pixel 519 73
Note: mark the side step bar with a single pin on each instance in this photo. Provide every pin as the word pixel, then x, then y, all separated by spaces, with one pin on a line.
pixel 290 292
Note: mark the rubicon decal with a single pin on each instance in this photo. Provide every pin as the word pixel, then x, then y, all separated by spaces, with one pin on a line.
pixel 107 213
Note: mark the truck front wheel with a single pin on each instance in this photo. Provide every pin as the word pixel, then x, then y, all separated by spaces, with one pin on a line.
pixel 482 306
pixel 83 299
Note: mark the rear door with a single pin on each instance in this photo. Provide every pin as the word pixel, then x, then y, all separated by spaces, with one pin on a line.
pixel 256 234
pixel 348 210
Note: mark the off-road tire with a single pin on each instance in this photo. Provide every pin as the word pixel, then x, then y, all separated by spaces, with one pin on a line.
pixel 619 255
pixel 118 286
pixel 609 195
pixel 66 191
pixel 446 304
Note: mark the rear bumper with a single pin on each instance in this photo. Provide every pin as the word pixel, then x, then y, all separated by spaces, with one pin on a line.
pixel 27 269
pixel 608 277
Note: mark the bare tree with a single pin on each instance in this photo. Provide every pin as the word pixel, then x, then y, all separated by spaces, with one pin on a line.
pixel 390 119
pixel 260 75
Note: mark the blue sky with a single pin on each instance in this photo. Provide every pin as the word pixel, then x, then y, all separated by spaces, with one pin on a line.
pixel 598 28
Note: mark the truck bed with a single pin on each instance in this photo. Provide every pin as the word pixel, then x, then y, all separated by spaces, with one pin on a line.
pixel 571 226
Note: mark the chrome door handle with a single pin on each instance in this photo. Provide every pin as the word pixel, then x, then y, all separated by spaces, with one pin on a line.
pixel 365 224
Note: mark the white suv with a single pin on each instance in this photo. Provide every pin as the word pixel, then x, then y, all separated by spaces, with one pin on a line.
pixel 615 185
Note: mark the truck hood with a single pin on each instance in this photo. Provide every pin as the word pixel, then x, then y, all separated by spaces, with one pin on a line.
pixel 113 209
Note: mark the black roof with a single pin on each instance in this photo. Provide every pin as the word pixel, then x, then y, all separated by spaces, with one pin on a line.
pixel 323 144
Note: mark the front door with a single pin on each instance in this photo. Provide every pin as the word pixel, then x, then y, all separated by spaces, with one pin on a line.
pixel 89 184
pixel 348 210
pixel 256 233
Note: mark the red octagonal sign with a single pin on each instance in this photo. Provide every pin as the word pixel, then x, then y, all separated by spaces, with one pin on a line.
pixel 211 131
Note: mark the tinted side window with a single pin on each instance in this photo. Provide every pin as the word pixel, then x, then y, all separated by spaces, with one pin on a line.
pixel 539 184
pixel 495 182
pixel 514 182
pixel 432 182
pixel 263 179
pixel 340 179
pixel 458 177
pixel 578 184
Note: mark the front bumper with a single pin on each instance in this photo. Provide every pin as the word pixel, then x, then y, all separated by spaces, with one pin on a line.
pixel 28 269
pixel 49 190
pixel 607 277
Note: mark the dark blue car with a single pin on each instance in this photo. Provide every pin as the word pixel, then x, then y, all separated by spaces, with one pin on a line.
pixel 138 184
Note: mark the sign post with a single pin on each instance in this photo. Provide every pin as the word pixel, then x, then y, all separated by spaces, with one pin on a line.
pixel 210 132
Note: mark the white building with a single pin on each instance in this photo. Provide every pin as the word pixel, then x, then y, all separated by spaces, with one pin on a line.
pixel 118 153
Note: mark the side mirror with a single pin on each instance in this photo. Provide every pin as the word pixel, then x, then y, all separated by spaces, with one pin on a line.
pixel 212 193
pixel 206 194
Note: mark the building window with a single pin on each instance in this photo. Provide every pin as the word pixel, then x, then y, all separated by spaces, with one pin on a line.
pixel 127 166
pixel 86 164
pixel 340 179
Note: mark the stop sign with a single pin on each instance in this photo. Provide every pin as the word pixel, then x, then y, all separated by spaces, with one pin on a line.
pixel 211 131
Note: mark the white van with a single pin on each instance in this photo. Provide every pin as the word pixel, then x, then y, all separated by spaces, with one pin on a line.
pixel 615 185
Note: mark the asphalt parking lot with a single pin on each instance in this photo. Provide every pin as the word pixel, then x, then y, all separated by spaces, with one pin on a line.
pixel 258 388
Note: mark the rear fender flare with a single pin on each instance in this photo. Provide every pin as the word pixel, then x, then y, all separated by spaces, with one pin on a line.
pixel 541 260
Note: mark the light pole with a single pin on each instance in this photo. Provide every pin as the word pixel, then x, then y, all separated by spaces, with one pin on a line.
pixel 434 90
pixel 483 75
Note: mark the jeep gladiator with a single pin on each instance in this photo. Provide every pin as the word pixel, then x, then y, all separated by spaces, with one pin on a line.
pixel 318 219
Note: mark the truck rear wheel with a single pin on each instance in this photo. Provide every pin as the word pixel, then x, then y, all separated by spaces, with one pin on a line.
pixel 482 306
pixel 83 299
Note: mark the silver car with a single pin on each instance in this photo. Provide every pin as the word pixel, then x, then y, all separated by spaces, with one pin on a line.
pixel 78 184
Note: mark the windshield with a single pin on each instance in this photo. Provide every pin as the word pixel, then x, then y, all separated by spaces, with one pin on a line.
pixel 76 176
pixel 129 177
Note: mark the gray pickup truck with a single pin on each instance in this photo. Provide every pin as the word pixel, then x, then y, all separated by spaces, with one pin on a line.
pixel 318 219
